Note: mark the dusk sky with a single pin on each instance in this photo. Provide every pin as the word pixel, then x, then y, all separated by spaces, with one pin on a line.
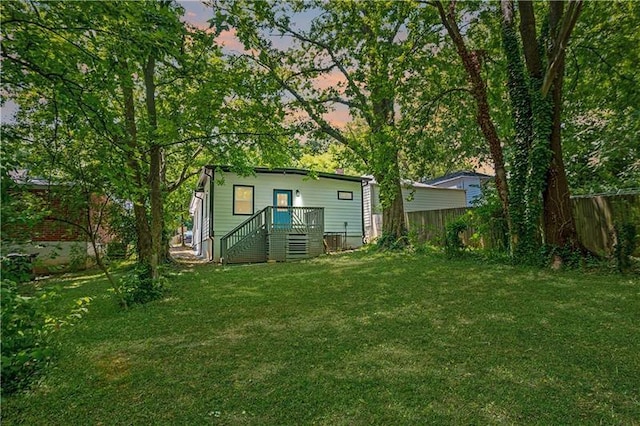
pixel 198 14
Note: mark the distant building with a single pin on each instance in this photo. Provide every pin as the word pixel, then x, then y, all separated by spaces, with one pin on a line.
pixel 416 197
pixel 55 237
pixel 471 182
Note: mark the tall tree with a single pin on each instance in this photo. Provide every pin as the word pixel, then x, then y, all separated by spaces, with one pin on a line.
pixel 537 183
pixel 356 56
pixel 472 62
pixel 539 112
pixel 143 94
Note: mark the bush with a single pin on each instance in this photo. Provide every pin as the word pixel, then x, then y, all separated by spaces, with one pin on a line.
pixel 117 250
pixel 138 287
pixel 26 334
pixel 17 267
pixel 453 245
pixel 626 235
pixel 390 242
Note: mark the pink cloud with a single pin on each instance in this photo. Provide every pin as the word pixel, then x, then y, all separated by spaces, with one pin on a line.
pixel 333 80
pixel 340 117
pixel 229 40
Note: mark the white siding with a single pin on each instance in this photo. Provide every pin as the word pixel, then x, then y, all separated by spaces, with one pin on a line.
pixel 421 198
pixel 471 184
pixel 196 211
pixel 322 192
pixel 366 205
pixel 432 199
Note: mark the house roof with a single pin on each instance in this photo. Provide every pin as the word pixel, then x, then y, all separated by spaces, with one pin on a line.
pixel 414 184
pixel 21 177
pixel 284 171
pixel 455 175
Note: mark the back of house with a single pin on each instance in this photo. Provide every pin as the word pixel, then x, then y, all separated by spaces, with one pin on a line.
pixel 274 214
pixel 471 182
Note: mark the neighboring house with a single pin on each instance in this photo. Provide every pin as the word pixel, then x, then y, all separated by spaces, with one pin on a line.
pixel 416 197
pixel 54 238
pixel 276 214
pixel 471 182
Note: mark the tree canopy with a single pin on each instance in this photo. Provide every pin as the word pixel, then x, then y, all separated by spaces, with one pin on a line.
pixel 130 99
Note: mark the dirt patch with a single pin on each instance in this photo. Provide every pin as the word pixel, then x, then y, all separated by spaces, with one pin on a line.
pixel 185 255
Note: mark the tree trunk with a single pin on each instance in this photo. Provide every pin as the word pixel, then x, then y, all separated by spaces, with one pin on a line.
pixel 157 208
pixel 143 232
pixel 472 64
pixel 385 158
pixel 559 225
pixel 527 165
pixel 394 228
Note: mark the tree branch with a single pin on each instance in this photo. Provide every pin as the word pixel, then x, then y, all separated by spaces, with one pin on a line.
pixel 560 44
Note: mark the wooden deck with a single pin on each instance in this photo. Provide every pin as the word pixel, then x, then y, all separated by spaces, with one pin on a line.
pixel 276 233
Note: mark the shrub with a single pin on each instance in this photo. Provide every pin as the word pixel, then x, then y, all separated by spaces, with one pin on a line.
pixel 390 242
pixel 453 245
pixel 17 267
pixel 117 250
pixel 626 235
pixel 138 287
pixel 26 334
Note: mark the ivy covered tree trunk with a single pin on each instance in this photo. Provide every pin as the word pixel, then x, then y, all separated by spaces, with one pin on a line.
pixel 546 191
pixel 525 202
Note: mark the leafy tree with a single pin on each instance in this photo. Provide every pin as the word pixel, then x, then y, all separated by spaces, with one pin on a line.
pixel 362 57
pixel 472 61
pixel 129 91
pixel 601 107
pixel 537 98
pixel 537 180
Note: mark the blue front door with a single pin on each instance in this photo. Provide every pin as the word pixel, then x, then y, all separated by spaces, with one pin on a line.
pixel 282 213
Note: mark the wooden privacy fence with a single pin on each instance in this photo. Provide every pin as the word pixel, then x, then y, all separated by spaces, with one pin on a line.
pixel 596 217
pixel 429 225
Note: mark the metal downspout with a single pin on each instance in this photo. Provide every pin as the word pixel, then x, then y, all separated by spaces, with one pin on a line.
pixel 199 252
pixel 211 239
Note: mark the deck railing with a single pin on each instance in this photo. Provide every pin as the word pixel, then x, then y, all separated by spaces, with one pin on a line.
pixel 295 219
pixel 242 232
pixel 272 219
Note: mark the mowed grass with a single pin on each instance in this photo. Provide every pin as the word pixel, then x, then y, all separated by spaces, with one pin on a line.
pixel 354 339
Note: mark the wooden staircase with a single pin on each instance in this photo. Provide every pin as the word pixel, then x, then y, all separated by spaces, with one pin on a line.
pixel 292 233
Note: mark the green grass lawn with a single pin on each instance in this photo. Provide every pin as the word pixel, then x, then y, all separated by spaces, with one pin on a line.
pixel 351 339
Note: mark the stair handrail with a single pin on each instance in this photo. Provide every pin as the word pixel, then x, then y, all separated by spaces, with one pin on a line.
pixel 224 247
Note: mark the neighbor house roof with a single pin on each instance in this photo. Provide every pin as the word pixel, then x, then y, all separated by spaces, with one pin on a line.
pixel 414 184
pixel 21 177
pixel 455 175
